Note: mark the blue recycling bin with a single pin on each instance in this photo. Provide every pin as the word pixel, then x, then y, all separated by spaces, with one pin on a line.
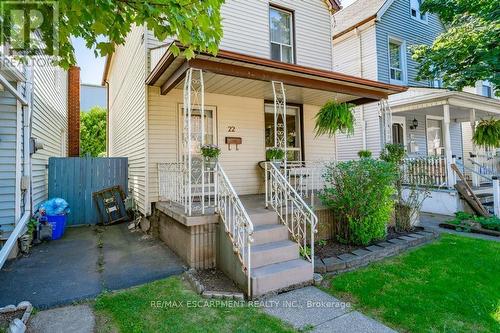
pixel 58 223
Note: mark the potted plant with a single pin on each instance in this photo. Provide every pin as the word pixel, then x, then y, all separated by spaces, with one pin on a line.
pixel 210 154
pixel 333 117
pixel 275 155
pixel 487 133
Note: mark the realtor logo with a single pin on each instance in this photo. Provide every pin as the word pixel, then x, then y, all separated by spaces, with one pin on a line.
pixel 24 22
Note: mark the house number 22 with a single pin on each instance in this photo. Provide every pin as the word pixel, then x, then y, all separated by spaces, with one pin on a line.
pixel 231 129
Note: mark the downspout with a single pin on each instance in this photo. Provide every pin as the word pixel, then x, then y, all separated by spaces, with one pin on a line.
pixel 20 227
pixel 106 83
pixel 361 74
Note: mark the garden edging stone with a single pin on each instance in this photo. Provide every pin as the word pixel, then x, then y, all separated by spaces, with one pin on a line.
pixel 364 256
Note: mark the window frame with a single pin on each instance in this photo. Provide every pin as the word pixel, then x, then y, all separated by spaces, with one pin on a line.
pixel 292 33
pixel 402 54
pixel 419 13
pixel 438 118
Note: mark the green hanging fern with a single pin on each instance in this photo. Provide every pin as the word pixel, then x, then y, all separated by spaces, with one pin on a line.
pixel 335 117
pixel 487 133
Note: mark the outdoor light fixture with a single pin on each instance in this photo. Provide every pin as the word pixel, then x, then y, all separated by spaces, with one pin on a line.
pixel 414 124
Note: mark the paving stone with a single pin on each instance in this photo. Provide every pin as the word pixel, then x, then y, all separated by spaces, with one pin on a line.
pixel 77 319
pixel 319 266
pixel 352 322
pixel 374 248
pixel 415 235
pixel 384 244
pixel 406 238
pixel 361 252
pixel 396 241
pixel 346 256
pixel 334 264
pixel 305 307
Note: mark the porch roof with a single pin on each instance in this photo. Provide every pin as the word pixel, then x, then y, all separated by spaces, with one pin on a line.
pixel 237 74
pixel 430 101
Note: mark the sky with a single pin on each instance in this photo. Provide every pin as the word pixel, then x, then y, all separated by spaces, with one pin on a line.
pixel 91 68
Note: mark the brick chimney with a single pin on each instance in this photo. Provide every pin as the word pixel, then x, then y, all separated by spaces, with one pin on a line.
pixel 74 111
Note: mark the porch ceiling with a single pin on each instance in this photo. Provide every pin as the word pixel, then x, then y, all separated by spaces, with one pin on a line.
pixel 461 104
pixel 236 74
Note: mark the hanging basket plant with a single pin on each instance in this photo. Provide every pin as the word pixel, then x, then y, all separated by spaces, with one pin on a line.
pixel 335 117
pixel 487 133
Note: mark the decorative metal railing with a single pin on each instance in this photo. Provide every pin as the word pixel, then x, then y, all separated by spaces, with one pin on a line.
pixel 429 170
pixel 306 177
pixel 236 221
pixel 195 196
pixel 291 209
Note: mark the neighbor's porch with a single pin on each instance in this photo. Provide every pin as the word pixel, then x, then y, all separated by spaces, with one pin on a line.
pixel 436 127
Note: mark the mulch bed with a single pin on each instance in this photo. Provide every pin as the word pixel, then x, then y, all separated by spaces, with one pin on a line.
pixel 215 280
pixel 6 318
pixel 475 229
pixel 333 248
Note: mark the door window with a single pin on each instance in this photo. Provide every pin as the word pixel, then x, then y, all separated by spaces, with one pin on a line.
pixel 435 137
pixel 293 129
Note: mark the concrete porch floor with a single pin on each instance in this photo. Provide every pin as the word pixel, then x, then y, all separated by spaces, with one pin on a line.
pixel 84 263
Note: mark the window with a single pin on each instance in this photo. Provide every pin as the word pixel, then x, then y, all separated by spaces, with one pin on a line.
pixel 293 129
pixel 415 10
pixel 397 61
pixel 486 89
pixel 281 34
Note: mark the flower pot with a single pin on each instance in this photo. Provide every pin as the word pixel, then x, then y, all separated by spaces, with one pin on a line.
pixel 210 163
pixel 277 163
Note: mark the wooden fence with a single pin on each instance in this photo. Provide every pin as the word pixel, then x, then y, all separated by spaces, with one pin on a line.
pixel 75 179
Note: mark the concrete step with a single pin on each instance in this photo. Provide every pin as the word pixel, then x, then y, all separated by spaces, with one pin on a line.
pixel 268 233
pixel 272 253
pixel 281 275
pixel 261 218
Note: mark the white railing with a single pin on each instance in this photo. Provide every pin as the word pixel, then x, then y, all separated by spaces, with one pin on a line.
pixel 306 177
pixel 291 209
pixel 429 170
pixel 196 196
pixel 236 221
pixel 488 165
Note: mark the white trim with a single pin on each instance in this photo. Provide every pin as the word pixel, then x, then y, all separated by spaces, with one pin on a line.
pixel 403 55
pixel 402 121
pixel 427 117
pixel 383 9
pixel 19 131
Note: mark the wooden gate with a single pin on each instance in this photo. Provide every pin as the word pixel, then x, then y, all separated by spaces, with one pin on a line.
pixel 75 179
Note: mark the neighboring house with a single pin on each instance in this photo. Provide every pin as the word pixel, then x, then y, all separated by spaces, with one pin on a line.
pixel 372 39
pixel 34 126
pixel 275 59
pixel 92 95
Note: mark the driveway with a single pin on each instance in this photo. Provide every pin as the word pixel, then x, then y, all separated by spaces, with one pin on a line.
pixel 85 262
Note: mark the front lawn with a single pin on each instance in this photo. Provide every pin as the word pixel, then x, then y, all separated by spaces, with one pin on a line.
pixel 452 285
pixel 168 306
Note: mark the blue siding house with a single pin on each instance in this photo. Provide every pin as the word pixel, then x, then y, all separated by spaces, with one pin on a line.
pixel 373 39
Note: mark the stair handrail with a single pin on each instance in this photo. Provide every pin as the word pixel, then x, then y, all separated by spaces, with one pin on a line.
pixel 291 209
pixel 236 221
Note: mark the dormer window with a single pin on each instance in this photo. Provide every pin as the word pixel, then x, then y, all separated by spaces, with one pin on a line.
pixel 281 34
pixel 415 11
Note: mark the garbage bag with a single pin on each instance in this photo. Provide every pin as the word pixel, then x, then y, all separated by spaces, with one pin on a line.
pixel 55 206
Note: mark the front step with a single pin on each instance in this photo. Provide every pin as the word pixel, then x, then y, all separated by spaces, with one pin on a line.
pixel 261 218
pixel 280 276
pixel 275 252
pixel 268 233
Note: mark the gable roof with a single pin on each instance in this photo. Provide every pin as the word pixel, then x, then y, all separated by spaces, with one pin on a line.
pixel 359 12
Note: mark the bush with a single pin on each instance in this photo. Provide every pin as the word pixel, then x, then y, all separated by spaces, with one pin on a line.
pixel 360 194
pixel 364 154
pixel 93 132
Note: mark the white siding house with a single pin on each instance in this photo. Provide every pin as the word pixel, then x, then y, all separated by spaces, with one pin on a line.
pixel 272 74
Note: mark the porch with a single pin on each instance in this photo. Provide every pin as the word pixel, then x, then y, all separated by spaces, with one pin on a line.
pixel 436 126
pixel 245 105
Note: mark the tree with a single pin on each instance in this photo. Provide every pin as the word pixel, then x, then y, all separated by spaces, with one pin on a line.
pixel 195 23
pixel 468 50
pixel 93 132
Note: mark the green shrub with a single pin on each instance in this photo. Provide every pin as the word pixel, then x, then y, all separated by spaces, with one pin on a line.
pixel 360 194
pixel 364 154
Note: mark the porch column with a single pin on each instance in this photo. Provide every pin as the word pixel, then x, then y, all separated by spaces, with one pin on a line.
pixel 472 120
pixel 447 145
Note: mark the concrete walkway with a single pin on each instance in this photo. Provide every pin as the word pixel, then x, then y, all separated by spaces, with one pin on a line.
pixel 86 261
pixel 316 311
pixel 431 221
pixel 74 319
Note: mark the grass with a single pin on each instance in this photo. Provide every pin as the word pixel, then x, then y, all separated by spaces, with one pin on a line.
pixel 132 311
pixel 452 285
